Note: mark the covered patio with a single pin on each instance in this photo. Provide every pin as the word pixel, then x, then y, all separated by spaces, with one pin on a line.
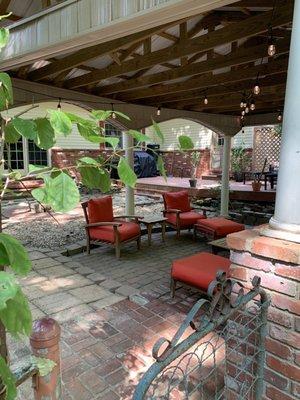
pixel 224 64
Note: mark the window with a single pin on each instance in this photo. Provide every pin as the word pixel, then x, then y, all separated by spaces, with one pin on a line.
pixel 220 141
pixel 36 155
pixel 14 155
pixel 111 130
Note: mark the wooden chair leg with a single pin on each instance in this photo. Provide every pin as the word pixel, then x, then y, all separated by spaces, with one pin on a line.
pixel 118 250
pixel 195 233
pixel 88 246
pixel 173 287
pixel 178 232
pixel 138 242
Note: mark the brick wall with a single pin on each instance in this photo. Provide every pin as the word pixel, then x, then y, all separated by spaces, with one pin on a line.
pixel 277 262
pixel 178 163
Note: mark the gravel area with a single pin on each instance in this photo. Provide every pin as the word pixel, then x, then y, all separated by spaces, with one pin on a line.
pixel 42 231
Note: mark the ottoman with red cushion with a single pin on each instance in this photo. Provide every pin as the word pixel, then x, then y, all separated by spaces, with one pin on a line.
pixel 217 227
pixel 198 270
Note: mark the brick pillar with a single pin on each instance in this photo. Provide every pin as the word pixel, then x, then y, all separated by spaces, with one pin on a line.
pixel 277 262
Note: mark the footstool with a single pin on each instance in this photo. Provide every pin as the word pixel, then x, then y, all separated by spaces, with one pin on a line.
pixel 198 270
pixel 217 227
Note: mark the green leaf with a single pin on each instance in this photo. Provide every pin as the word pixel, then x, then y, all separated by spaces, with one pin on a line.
pixel 140 137
pixel 4 35
pixel 8 380
pixel 113 141
pixel 76 119
pixel 89 132
pixel 39 194
pixel 7 86
pixel 158 131
pixel 88 160
pixel 9 288
pixel 185 142
pixel 120 114
pixel 126 174
pixel 25 127
pixel 60 122
pixel 101 115
pixel 38 169
pixel 45 137
pixel 105 182
pixel 94 177
pixel 44 365
pixel 11 135
pixel 3 100
pixel 12 253
pixel 161 167
pixel 16 317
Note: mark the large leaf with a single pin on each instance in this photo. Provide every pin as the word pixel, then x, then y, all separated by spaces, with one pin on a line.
pixel 158 131
pixel 60 122
pixel 25 127
pixel 126 174
pixel 39 194
pixel 101 115
pixel 105 181
pixel 161 167
pixel 4 35
pixel 9 288
pixel 11 134
pixel 140 137
pixel 8 379
pixel 94 177
pixel 3 100
pixel 185 142
pixel 12 253
pixel 89 132
pixel 45 138
pixel 120 114
pixel 7 86
pixel 16 317
pixel 88 160
pixel 113 141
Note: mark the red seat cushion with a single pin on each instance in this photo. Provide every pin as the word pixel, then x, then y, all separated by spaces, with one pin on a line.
pixel 200 269
pixel 186 219
pixel 100 210
pixel 221 226
pixel 127 231
pixel 177 200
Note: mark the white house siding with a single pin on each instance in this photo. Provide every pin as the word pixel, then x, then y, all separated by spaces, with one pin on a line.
pixel 201 136
pixel 72 141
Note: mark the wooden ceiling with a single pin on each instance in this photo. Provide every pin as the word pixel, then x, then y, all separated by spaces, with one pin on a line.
pixel 218 55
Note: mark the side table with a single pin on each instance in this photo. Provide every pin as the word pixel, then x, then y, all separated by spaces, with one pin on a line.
pixel 150 221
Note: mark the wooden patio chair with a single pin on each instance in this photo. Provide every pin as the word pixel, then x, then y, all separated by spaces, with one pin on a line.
pixel 102 226
pixel 178 211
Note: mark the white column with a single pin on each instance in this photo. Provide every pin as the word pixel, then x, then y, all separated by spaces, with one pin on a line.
pixel 285 224
pixel 129 191
pixel 225 176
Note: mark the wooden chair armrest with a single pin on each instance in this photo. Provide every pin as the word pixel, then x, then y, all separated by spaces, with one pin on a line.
pixel 114 224
pixel 133 217
pixel 172 210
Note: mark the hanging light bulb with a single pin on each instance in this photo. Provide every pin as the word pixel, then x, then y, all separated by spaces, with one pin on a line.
pixel 279 116
pixel 205 100
pixel 242 104
pixel 256 89
pixel 113 114
pixel 252 105
pixel 271 45
pixel 242 118
pixel 59 104
pixel 243 113
pixel 247 109
pixel 158 111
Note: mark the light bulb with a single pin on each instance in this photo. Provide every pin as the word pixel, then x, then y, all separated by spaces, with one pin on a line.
pixel 59 105
pixel 242 104
pixel 242 117
pixel 113 114
pixel 158 111
pixel 256 89
pixel 252 106
pixel 205 100
pixel 247 109
pixel 243 113
pixel 279 117
pixel 271 49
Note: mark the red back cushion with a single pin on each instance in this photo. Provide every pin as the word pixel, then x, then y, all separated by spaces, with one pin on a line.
pixel 178 200
pixel 100 210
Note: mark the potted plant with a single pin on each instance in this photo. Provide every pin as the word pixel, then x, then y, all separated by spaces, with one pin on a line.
pixel 256 184
pixel 240 161
pixel 194 160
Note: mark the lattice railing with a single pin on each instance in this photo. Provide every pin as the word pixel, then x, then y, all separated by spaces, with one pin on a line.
pixel 266 145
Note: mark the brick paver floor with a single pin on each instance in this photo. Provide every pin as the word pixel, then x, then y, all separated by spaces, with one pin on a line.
pixel 111 312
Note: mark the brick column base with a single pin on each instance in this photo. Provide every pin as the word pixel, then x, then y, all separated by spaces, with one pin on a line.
pixel 277 262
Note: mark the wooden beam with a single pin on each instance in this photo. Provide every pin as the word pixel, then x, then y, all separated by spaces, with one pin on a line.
pixel 239 57
pixel 205 82
pixel 115 57
pixel 4 4
pixel 92 52
pixel 168 36
pixel 250 27
pixel 188 97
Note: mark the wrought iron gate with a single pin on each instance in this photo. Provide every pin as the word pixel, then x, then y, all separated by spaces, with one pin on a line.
pixel 217 353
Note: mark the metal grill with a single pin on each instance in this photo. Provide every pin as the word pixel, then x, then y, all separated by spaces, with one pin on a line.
pixel 218 351
pixel 266 145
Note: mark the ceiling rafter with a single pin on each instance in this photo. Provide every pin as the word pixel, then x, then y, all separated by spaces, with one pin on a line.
pixel 247 28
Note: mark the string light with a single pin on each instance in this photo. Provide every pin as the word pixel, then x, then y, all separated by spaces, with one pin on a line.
pixel 158 111
pixel 256 89
pixel 252 105
pixel 243 101
pixel 59 104
pixel 247 109
pixel 205 100
pixel 279 116
pixel 243 113
pixel 113 114
pixel 271 45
